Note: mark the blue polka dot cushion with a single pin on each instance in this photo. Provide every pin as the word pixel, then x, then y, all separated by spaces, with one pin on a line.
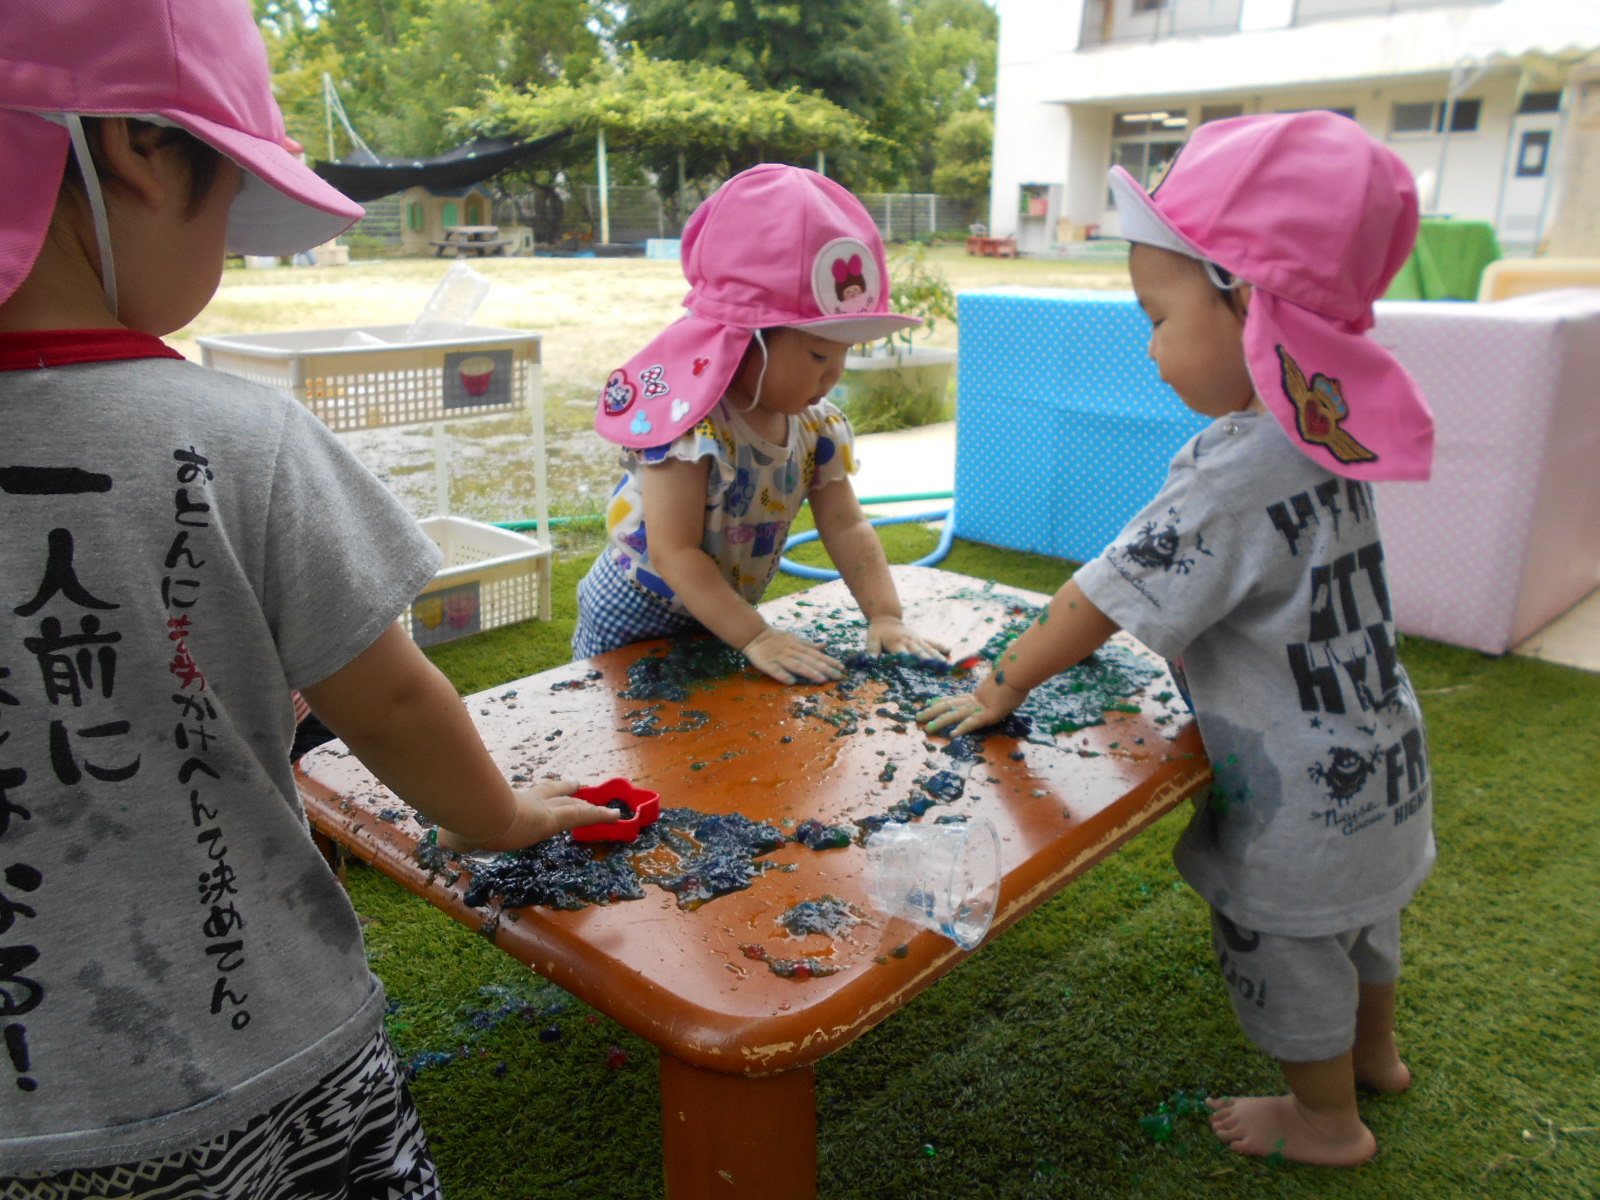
pixel 1064 429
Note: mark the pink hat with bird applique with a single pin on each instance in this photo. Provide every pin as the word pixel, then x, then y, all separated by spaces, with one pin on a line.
pixel 774 246
pixel 1317 218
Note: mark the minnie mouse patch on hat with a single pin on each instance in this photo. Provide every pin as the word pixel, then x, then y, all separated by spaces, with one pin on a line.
pixel 667 388
pixel 774 246
pixel 1317 218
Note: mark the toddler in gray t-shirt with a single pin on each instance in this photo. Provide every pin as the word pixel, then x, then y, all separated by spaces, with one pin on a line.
pixel 1258 572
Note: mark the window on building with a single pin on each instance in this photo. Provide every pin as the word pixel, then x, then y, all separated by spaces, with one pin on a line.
pixel 1540 102
pixel 1348 113
pixel 1428 116
pixel 1106 21
pixel 1144 143
pixel 1533 155
pixel 1220 112
pixel 1463 116
pixel 1411 118
pixel 413 215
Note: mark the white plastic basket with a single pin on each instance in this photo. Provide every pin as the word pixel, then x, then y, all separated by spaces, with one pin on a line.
pixel 363 377
pixel 366 376
pixel 491 577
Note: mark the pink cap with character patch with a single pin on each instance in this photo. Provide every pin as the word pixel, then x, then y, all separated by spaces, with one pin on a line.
pixel 774 246
pixel 1317 218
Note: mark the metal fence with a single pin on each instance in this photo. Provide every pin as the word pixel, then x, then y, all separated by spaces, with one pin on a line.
pixel 382 221
pixel 636 214
pixel 902 216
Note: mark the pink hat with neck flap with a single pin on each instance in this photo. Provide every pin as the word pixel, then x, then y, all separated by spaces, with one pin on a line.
pixel 196 64
pixel 774 246
pixel 1317 218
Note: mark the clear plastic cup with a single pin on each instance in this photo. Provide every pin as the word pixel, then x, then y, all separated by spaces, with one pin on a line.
pixel 940 877
pixel 454 302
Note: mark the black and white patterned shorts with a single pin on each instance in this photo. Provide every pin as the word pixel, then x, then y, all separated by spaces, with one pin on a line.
pixel 354 1135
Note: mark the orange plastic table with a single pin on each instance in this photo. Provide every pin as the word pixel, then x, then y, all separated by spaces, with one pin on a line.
pixel 739 1042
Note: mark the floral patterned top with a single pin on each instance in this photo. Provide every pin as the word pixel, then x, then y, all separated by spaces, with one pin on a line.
pixel 752 494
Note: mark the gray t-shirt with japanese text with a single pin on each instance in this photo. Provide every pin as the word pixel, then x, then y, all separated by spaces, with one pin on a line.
pixel 178 550
pixel 1260 576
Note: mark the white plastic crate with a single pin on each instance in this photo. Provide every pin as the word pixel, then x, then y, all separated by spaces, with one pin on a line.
pixel 491 577
pixel 365 377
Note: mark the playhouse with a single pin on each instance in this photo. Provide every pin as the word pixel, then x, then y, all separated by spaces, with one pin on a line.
pixel 426 213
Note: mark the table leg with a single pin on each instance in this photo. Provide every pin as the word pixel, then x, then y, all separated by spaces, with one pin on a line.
pixel 334 854
pixel 737 1136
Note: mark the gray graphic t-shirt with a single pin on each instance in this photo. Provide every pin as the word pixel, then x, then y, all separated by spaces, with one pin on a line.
pixel 180 548
pixel 1260 575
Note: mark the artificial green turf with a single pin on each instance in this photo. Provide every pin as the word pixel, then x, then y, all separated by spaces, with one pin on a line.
pixel 1025 1072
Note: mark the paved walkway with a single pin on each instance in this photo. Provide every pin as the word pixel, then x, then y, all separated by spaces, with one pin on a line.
pixel 905 463
pixel 914 461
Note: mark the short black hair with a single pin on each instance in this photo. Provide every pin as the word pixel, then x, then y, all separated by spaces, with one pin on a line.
pixel 202 159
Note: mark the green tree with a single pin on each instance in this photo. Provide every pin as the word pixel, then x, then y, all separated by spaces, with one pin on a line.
pixel 964 155
pixel 400 65
pixel 850 51
pixel 950 70
pixel 952 46
pixel 672 119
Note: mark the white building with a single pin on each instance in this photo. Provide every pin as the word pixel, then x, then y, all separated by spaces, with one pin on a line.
pixel 1475 95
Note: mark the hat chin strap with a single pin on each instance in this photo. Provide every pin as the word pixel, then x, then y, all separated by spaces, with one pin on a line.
pixel 97 206
pixel 1215 274
pixel 761 378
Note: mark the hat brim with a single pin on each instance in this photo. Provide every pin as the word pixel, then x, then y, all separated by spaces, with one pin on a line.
pixel 852 330
pixel 664 390
pixel 1141 221
pixel 1344 400
pixel 28 196
pixel 284 206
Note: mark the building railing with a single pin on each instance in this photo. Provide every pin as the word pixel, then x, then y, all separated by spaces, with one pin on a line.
pixel 1107 22
pixel 1118 22
pixel 1308 12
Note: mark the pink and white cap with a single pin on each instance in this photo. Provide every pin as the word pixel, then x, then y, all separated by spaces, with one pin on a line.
pixel 1317 218
pixel 773 246
pixel 197 64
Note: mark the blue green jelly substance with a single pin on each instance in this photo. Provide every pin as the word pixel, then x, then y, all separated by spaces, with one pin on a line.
pixel 828 914
pixel 714 855
pixel 1161 1124
pixel 718 854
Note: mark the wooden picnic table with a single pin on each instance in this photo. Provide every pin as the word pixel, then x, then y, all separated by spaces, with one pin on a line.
pixel 461 240
pixel 738 1041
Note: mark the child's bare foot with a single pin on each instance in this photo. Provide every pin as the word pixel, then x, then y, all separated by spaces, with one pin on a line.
pixel 1381 1070
pixel 1267 1125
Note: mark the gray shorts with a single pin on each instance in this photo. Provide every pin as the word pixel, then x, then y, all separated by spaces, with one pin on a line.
pixel 1296 997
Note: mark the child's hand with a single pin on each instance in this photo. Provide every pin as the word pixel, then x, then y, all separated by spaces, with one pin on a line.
pixel 989 705
pixel 542 811
pixel 891 635
pixel 789 659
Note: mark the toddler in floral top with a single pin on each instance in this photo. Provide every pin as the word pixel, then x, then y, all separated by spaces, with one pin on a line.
pixel 725 431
